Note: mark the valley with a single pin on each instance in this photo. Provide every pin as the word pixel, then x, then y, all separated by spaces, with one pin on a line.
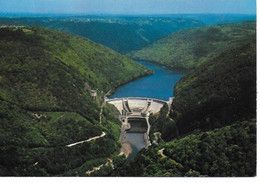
pixel 124 33
pixel 70 106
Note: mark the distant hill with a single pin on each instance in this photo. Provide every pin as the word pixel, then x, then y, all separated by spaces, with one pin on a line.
pixel 214 19
pixel 211 128
pixel 45 102
pixel 122 34
pixel 187 49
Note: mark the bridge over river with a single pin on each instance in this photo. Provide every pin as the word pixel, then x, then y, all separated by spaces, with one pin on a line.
pixel 134 114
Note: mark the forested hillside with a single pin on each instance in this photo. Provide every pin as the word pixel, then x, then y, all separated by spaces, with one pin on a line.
pixel 219 92
pixel 45 102
pixel 187 49
pixel 122 34
pixel 225 152
pixel 211 129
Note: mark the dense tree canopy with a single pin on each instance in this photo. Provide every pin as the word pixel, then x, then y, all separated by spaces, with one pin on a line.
pixel 228 151
pixel 188 48
pixel 45 104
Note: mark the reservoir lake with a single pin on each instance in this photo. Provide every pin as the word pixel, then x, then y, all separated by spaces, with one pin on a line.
pixel 160 85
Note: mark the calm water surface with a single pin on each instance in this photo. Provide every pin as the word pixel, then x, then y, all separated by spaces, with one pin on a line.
pixel 159 85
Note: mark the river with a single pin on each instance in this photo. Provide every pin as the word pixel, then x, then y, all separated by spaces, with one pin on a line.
pixel 160 85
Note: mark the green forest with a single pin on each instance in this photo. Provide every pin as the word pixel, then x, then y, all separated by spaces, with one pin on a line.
pixel 45 78
pixel 188 48
pixel 224 152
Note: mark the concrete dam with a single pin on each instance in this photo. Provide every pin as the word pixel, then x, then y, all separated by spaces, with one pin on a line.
pixel 134 114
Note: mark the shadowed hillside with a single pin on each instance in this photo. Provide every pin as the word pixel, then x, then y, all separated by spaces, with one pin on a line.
pixel 218 92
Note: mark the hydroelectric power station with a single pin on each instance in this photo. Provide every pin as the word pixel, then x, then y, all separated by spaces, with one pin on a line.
pixel 134 114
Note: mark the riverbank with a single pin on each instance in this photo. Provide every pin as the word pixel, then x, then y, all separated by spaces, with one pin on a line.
pixel 126 149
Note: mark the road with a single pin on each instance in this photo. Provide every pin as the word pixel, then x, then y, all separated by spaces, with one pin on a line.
pixel 88 140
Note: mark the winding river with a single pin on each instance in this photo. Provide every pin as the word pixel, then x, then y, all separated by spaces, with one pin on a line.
pixel 160 85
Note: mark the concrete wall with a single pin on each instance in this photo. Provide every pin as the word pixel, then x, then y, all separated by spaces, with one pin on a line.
pixel 118 104
pixel 155 106
pixel 138 104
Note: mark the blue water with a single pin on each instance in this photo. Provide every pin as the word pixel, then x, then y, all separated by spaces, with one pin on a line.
pixel 159 85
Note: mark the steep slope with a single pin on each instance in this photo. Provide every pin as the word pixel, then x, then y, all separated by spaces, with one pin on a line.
pixel 45 102
pixel 219 92
pixel 211 129
pixel 122 34
pixel 187 49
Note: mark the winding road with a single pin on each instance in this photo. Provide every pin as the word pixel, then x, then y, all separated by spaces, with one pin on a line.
pixel 88 140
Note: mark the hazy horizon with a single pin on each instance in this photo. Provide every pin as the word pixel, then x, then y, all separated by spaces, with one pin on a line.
pixel 21 15
pixel 126 7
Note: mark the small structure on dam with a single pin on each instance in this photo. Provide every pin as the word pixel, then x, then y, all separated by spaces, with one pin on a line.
pixel 134 114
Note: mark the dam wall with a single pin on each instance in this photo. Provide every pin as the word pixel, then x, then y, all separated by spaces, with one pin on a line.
pixel 137 105
pixel 137 109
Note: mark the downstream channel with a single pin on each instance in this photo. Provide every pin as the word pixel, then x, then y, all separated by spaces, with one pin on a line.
pixel 159 85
